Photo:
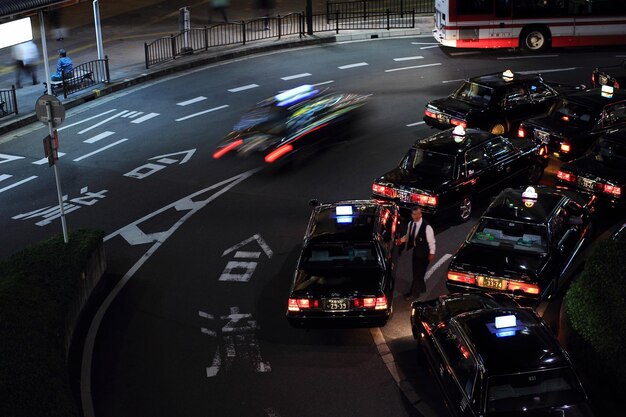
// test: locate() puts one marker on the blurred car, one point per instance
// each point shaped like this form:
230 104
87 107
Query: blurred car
493 358
282 126
495 102
446 171
575 122
346 270
614 75
525 244
620 234
601 171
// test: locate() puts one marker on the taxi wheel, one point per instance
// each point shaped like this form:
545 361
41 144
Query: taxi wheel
534 173
465 209
498 128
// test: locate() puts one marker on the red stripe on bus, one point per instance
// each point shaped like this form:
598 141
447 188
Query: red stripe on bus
559 41
521 25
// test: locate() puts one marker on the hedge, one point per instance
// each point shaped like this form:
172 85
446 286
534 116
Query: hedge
595 307
37 287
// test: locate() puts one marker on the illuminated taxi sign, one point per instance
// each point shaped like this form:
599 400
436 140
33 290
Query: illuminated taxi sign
294 95
505 321
529 197
607 91
505 326
507 75
458 134
343 210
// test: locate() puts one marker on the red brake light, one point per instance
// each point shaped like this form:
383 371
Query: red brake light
461 277
593 78
615 84
423 199
565 176
565 118
382 190
523 286
381 303
521 132
275 154
430 114
377 303
612 189
297 304
457 122
565 147
227 148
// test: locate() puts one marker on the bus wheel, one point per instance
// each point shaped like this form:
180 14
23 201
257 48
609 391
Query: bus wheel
535 39
499 128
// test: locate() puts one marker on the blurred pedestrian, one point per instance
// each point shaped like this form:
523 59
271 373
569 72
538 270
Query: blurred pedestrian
26 55
219 6
64 66
58 32
265 10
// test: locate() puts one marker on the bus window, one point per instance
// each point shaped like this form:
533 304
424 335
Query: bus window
503 8
474 7
538 8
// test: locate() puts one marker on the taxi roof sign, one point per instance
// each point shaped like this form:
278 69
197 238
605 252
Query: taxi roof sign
293 95
607 91
459 134
530 193
505 321
507 75
343 210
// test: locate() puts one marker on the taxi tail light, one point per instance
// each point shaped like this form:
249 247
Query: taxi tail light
227 148
298 304
565 176
521 132
429 113
461 277
615 84
457 122
544 151
565 147
382 190
593 78
278 153
523 286
612 189
376 303
424 200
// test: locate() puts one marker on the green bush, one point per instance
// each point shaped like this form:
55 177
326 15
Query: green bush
594 306
37 288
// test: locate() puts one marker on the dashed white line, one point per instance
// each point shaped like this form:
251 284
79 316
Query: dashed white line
415 124
293 77
99 137
8 158
192 101
453 81
547 70
145 117
131 114
201 113
43 161
134 114
8 187
428 47
87 119
526 57
5 177
123 112
358 64
413 67
242 88
424 43
408 58
99 150
325 82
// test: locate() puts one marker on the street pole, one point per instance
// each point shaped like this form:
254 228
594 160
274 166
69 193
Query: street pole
96 19
44 47
309 17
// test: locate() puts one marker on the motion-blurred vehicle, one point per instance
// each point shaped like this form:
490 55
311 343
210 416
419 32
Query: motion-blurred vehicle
282 126
525 244
346 270
614 75
446 171
575 122
493 358
495 102
601 171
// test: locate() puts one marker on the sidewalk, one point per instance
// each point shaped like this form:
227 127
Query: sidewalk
125 28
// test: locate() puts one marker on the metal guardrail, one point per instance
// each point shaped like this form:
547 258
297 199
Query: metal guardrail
375 20
86 75
366 7
8 102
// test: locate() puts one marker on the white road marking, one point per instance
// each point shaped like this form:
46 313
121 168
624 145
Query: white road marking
43 161
8 158
428 47
424 43
415 124
437 264
546 70
413 67
99 137
201 113
258 239
325 82
453 81
7 176
123 112
242 88
242 254
271 412
237 271
358 64
86 120
408 58
464 53
131 114
145 117
526 57
136 114
293 77
8 187
193 100
99 150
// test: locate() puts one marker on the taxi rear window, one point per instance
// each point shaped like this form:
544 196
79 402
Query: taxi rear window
350 254
522 237
610 149
420 161
572 113
474 93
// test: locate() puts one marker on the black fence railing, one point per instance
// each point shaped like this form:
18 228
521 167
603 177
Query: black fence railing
365 7
86 75
8 102
375 20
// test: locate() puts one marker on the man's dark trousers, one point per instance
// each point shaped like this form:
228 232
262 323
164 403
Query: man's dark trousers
419 260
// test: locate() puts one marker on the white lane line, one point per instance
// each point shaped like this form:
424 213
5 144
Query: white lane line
99 150
415 124
8 187
424 43
437 264
87 119
358 64
428 47
123 112
325 82
8 158
201 113
138 113
43 161
408 58
526 57
464 53
413 67
452 81
620 56
7 176
293 77
193 100
99 137
242 88
145 117
130 113
546 70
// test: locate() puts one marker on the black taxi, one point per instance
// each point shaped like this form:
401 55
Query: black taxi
575 122
613 75
525 244
495 102
445 172
345 272
493 358
601 171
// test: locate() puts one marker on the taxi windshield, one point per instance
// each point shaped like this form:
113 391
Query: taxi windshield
474 93
521 237
264 118
532 391
340 254
571 113
608 149
424 162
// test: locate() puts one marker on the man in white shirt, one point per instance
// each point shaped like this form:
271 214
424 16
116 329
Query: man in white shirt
421 238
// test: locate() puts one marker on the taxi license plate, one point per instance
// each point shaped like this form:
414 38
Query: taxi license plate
603 80
488 282
442 118
336 304
544 137
587 183
404 196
